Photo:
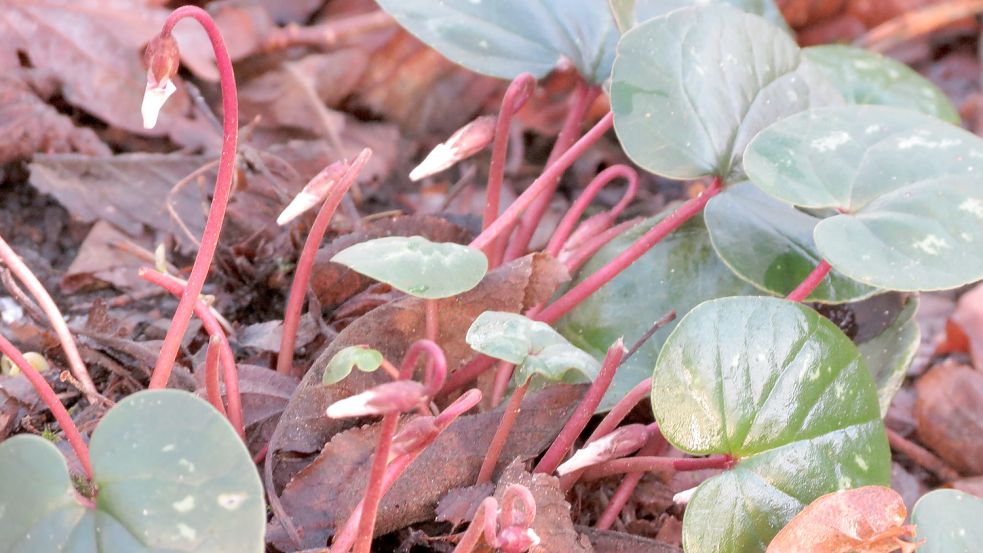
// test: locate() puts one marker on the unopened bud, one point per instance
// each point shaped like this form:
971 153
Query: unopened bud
392 397
314 192
163 59
517 539
466 142
683 497
415 435
623 441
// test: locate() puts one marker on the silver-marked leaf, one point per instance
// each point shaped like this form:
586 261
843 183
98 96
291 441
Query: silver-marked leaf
949 522
628 13
769 243
781 389
533 346
417 266
889 354
172 476
906 185
690 89
865 77
503 38
678 273
364 358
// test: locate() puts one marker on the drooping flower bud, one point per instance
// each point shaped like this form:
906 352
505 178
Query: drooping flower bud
623 441
464 143
412 437
313 192
163 59
392 397
516 534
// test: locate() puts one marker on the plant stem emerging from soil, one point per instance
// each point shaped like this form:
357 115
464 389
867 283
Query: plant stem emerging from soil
811 282
212 388
220 198
502 434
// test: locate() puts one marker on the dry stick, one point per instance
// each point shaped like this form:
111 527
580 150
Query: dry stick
51 400
214 330
595 281
916 23
501 434
584 96
519 91
305 264
55 318
657 464
923 457
220 198
212 391
329 34
627 487
811 282
576 423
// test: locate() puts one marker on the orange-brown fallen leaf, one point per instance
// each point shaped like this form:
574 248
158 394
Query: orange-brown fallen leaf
864 520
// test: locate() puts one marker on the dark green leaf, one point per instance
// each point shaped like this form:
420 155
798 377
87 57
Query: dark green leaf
503 38
628 13
949 522
780 388
692 88
865 77
172 476
889 354
341 365
905 183
533 346
769 243
417 266
677 273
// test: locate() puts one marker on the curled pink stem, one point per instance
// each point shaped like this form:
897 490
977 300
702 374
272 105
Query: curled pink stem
220 197
305 264
436 372
811 282
601 221
518 493
516 96
484 523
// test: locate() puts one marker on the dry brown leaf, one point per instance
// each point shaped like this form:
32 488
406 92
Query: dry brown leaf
968 316
800 13
608 541
949 413
972 485
459 505
266 336
100 262
863 520
322 495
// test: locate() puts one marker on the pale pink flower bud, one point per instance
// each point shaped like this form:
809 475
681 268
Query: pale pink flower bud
466 142
413 436
392 397
314 192
623 441
163 59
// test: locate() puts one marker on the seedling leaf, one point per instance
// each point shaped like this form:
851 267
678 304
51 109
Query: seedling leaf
949 522
507 37
172 476
783 390
341 365
904 182
534 347
865 77
677 273
690 89
628 13
417 266
769 243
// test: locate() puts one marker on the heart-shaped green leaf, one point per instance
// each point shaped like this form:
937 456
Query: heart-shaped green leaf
628 13
172 476
865 77
889 354
904 182
417 266
690 89
503 38
949 522
784 391
532 346
769 243
341 365
677 273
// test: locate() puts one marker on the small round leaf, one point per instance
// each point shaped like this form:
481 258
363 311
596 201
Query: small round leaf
503 38
784 391
690 89
417 266
865 77
171 473
949 522
628 13
533 346
341 365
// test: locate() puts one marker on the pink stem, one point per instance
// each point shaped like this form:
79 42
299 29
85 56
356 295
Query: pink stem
432 319
578 421
605 274
515 97
811 282
584 96
469 372
50 399
436 372
212 391
55 318
501 434
658 464
576 259
220 197
627 487
543 183
569 221
503 375
305 264
215 332
484 522
621 409
373 492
